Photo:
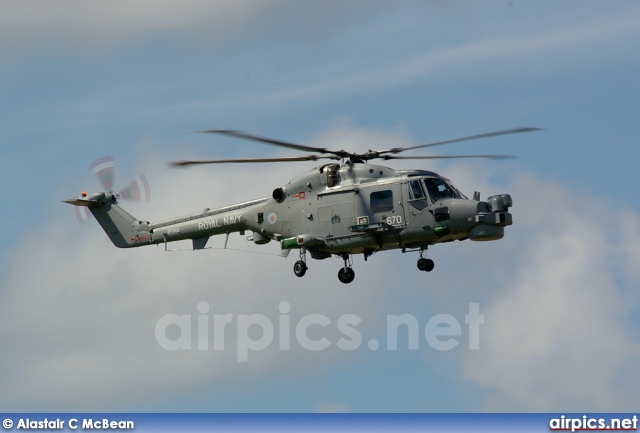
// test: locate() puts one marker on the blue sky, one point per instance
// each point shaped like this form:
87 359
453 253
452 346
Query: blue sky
559 292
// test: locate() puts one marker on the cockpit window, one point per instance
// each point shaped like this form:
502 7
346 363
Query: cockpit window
438 189
456 191
415 190
417 196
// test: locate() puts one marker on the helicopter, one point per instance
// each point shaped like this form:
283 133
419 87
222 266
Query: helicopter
344 207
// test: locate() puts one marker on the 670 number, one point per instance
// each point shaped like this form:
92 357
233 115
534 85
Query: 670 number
394 220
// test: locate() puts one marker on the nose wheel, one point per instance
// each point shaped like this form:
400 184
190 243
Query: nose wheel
300 267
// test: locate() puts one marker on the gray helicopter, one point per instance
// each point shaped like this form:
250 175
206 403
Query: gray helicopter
347 206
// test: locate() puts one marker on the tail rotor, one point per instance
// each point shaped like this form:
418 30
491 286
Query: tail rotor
104 170
82 213
137 190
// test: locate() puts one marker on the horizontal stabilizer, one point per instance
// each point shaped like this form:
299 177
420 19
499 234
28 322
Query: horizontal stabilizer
81 202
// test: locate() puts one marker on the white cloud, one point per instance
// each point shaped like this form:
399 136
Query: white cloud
627 231
558 335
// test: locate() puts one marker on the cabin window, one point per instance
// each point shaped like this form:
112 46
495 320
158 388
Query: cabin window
381 201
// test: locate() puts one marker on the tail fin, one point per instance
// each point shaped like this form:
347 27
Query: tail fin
123 229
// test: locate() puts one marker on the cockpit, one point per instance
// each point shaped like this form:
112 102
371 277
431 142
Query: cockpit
429 190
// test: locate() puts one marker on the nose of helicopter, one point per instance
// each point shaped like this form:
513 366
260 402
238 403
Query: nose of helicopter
481 220
491 219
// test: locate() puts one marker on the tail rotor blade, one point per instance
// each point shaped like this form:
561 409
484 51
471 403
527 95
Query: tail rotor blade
137 190
104 170
82 213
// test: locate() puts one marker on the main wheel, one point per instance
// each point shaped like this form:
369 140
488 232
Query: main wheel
430 265
425 264
346 276
300 268
422 264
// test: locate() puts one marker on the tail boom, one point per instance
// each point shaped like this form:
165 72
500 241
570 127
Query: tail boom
124 230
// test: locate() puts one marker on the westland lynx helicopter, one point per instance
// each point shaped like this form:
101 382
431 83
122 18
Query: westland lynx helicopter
347 206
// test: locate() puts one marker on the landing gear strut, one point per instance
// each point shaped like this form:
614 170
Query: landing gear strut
425 264
346 273
300 267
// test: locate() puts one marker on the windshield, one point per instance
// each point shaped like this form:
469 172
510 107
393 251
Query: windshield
439 189
456 191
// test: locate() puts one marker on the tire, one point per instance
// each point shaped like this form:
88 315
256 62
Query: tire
300 268
346 277
430 265
422 264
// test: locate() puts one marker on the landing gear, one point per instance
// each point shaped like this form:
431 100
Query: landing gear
425 264
346 276
300 267
346 273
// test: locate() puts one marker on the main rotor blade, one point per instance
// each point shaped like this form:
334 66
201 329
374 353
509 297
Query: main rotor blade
456 140
448 157
271 141
251 160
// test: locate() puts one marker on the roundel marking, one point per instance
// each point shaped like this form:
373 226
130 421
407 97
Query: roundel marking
272 218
